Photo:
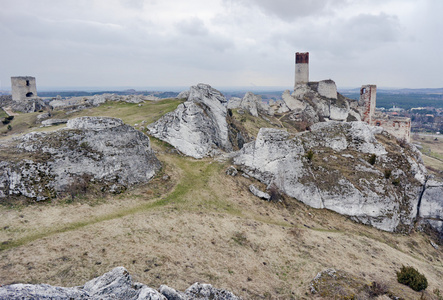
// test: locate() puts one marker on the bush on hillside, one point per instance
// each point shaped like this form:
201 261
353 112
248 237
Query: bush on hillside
372 159
411 277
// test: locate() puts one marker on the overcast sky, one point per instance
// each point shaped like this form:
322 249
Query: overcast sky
142 43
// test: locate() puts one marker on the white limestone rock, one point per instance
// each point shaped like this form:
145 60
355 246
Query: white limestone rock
292 102
183 95
116 284
40 291
327 88
52 122
198 127
43 116
431 208
342 184
234 103
251 103
319 97
203 291
256 192
101 149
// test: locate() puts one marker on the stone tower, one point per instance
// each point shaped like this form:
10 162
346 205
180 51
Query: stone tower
23 88
301 68
367 102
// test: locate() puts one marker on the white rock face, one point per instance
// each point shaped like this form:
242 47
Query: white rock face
251 103
320 98
315 167
103 150
198 127
116 284
234 103
327 88
431 208
292 102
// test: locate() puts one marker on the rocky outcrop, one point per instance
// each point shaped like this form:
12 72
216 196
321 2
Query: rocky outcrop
198 127
315 102
250 103
351 168
431 205
91 150
27 106
78 103
116 284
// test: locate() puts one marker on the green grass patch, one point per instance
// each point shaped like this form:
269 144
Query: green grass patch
3 114
132 113
195 177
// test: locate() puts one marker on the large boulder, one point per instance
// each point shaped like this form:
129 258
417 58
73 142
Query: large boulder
96 150
198 127
351 168
116 284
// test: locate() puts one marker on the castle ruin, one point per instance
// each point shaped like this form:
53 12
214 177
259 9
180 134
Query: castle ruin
23 88
399 127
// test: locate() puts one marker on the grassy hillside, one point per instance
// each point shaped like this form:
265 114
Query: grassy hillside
195 223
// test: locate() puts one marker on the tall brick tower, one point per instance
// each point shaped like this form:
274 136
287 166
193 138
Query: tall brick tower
301 68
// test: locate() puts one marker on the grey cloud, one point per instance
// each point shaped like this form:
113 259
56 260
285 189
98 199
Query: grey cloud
193 26
290 10
345 37
372 29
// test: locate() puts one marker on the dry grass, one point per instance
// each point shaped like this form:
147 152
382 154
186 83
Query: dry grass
208 228
253 124
432 153
130 113
198 224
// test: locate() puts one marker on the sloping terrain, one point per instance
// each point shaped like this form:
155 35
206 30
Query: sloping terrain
192 223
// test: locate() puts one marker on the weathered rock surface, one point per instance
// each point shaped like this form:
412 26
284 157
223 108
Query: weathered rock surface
52 122
198 127
75 103
250 103
317 101
256 192
431 208
116 284
338 284
28 106
96 150
328 167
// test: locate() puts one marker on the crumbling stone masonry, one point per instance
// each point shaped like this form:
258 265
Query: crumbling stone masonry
23 88
397 126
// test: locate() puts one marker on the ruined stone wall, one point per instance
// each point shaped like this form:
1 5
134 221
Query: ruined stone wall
367 102
398 127
301 68
23 88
